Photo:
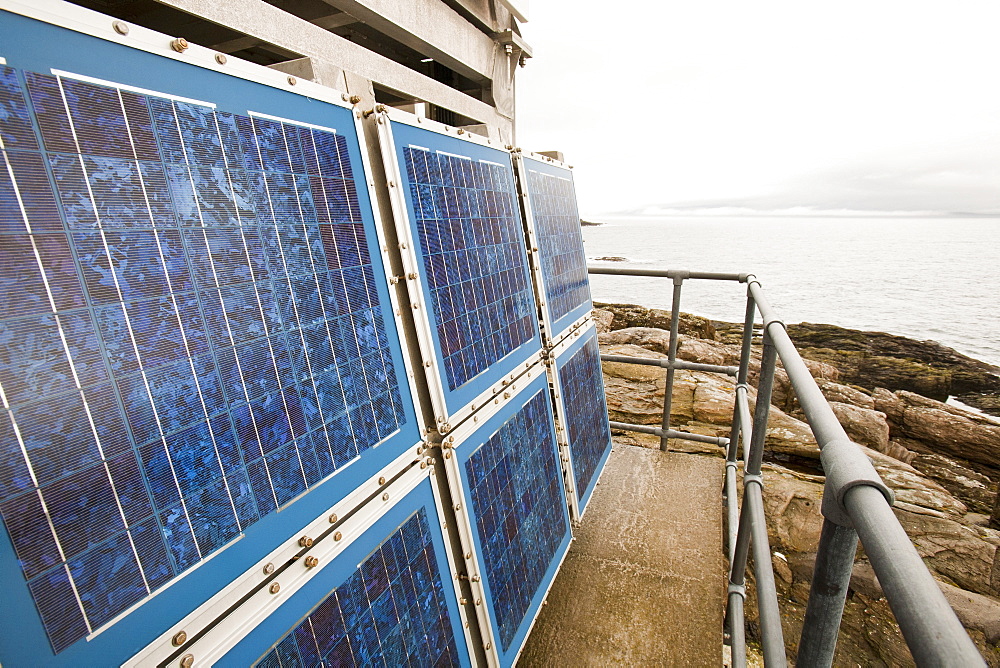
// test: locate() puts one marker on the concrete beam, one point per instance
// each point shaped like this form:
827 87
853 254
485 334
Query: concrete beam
326 22
429 27
266 22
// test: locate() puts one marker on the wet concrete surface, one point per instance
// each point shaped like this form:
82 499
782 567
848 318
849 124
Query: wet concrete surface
644 581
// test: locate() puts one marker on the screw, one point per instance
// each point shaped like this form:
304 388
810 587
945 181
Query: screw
463 601
447 455
354 99
344 97
488 646
311 561
468 555
268 569
506 395
305 541
274 588
338 536
179 638
381 480
475 418
221 58
187 661
479 601
333 518
180 45
458 506
423 465
461 131
385 497
120 27
292 81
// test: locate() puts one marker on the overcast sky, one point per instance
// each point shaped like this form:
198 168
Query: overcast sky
870 105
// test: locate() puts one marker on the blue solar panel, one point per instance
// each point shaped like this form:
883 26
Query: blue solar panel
390 611
518 509
465 222
552 197
195 328
586 413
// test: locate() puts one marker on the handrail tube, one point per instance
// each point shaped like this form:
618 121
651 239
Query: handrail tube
670 433
666 364
732 509
827 593
668 390
932 631
771 634
755 456
669 273
737 632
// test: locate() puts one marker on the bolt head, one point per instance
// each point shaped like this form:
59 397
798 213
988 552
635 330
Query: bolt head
385 497
354 99
311 561
274 588
268 569
180 45
187 661
338 536
179 638
120 27
381 480
305 541
221 58
333 518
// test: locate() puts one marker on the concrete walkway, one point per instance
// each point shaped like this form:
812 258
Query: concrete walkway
644 581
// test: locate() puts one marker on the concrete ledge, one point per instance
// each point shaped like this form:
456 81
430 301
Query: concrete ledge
644 581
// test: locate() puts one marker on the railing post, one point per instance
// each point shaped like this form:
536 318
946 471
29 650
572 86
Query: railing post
830 581
668 389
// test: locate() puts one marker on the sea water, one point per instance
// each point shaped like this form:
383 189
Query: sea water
925 278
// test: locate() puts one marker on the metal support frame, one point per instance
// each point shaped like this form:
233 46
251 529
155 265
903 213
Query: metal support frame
856 505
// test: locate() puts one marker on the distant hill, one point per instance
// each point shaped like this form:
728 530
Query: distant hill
587 223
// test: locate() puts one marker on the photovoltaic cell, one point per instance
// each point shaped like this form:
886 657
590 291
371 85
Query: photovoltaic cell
560 242
190 335
587 425
472 246
517 497
390 611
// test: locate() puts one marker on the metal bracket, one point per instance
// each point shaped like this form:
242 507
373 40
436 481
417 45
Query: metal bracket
846 467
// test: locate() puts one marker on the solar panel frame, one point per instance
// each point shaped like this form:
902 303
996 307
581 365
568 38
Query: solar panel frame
247 634
556 321
399 131
44 35
470 439
576 343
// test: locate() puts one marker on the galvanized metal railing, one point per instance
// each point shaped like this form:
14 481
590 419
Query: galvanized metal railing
856 504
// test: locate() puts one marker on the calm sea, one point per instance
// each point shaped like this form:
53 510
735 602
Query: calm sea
926 278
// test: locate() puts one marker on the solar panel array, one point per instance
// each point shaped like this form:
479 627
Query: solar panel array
191 334
552 197
586 413
390 611
472 250
516 496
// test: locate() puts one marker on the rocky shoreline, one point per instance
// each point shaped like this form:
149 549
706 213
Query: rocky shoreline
943 462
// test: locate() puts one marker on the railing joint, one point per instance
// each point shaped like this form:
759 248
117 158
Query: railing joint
738 589
846 467
753 478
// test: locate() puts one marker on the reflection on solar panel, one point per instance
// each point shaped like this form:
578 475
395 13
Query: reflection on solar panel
560 242
391 611
191 334
582 390
473 257
517 498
